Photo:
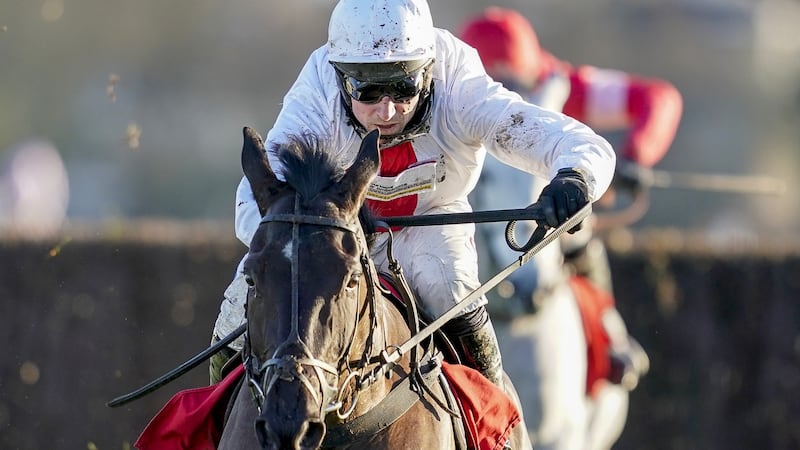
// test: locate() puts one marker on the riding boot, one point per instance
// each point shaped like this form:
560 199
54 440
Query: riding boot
218 361
231 316
476 344
628 364
591 261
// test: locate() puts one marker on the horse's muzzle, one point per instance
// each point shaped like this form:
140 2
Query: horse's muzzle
308 436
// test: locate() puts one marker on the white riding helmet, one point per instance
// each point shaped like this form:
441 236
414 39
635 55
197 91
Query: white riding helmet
384 45
380 31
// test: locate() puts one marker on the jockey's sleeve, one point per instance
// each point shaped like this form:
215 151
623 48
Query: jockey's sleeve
246 216
648 108
656 107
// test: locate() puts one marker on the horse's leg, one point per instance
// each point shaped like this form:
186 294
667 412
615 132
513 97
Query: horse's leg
545 356
516 346
561 373
519 436
239 432
608 412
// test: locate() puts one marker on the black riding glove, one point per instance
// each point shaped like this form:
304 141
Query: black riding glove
631 177
566 194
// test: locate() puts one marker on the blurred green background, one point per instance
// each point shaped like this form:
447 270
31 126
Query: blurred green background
145 100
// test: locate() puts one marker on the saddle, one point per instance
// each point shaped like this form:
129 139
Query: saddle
485 415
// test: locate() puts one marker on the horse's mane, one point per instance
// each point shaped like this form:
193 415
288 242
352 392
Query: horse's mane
309 168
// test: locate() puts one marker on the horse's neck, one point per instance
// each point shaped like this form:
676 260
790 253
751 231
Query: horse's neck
390 327
391 330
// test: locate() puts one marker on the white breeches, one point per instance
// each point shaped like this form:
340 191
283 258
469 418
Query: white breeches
545 356
440 264
608 413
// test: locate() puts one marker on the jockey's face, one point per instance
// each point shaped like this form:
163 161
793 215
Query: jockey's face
387 115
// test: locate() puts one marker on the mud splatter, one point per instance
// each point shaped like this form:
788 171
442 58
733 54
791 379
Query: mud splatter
111 87
516 133
132 135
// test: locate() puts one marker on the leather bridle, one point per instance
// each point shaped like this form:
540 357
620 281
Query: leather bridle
286 364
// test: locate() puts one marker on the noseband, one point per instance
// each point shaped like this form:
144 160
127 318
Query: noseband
287 366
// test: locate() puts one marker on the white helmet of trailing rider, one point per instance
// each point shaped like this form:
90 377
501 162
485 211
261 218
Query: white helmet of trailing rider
384 47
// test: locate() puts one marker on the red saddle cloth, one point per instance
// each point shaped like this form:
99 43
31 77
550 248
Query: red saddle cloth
488 413
592 303
187 421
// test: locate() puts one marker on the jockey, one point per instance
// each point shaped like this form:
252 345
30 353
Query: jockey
647 109
386 67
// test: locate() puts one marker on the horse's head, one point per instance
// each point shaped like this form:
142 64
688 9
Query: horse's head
309 274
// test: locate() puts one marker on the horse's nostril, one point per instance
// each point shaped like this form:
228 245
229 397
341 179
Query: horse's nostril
314 435
262 433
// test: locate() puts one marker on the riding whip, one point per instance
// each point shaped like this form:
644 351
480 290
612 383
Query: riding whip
533 212
743 184
178 371
530 250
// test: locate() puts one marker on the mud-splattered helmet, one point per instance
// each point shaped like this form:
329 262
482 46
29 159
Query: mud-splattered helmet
384 48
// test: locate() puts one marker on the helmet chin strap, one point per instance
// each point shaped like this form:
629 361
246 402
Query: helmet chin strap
419 125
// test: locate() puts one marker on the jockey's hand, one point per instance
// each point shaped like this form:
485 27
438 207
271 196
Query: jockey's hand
631 177
628 365
566 194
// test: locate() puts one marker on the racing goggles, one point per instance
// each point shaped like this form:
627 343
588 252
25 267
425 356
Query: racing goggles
399 90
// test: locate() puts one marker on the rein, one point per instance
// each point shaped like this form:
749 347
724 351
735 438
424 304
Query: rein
532 212
456 309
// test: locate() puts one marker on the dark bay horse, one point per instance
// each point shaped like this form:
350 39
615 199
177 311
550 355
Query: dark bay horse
319 327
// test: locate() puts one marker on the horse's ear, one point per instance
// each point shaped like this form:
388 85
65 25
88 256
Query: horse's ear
358 176
256 168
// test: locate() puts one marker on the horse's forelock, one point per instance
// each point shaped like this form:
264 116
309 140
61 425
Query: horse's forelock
308 165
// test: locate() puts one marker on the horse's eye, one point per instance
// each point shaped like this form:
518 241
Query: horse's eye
249 280
352 283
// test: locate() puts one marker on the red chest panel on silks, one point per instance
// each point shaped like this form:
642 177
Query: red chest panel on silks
396 189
